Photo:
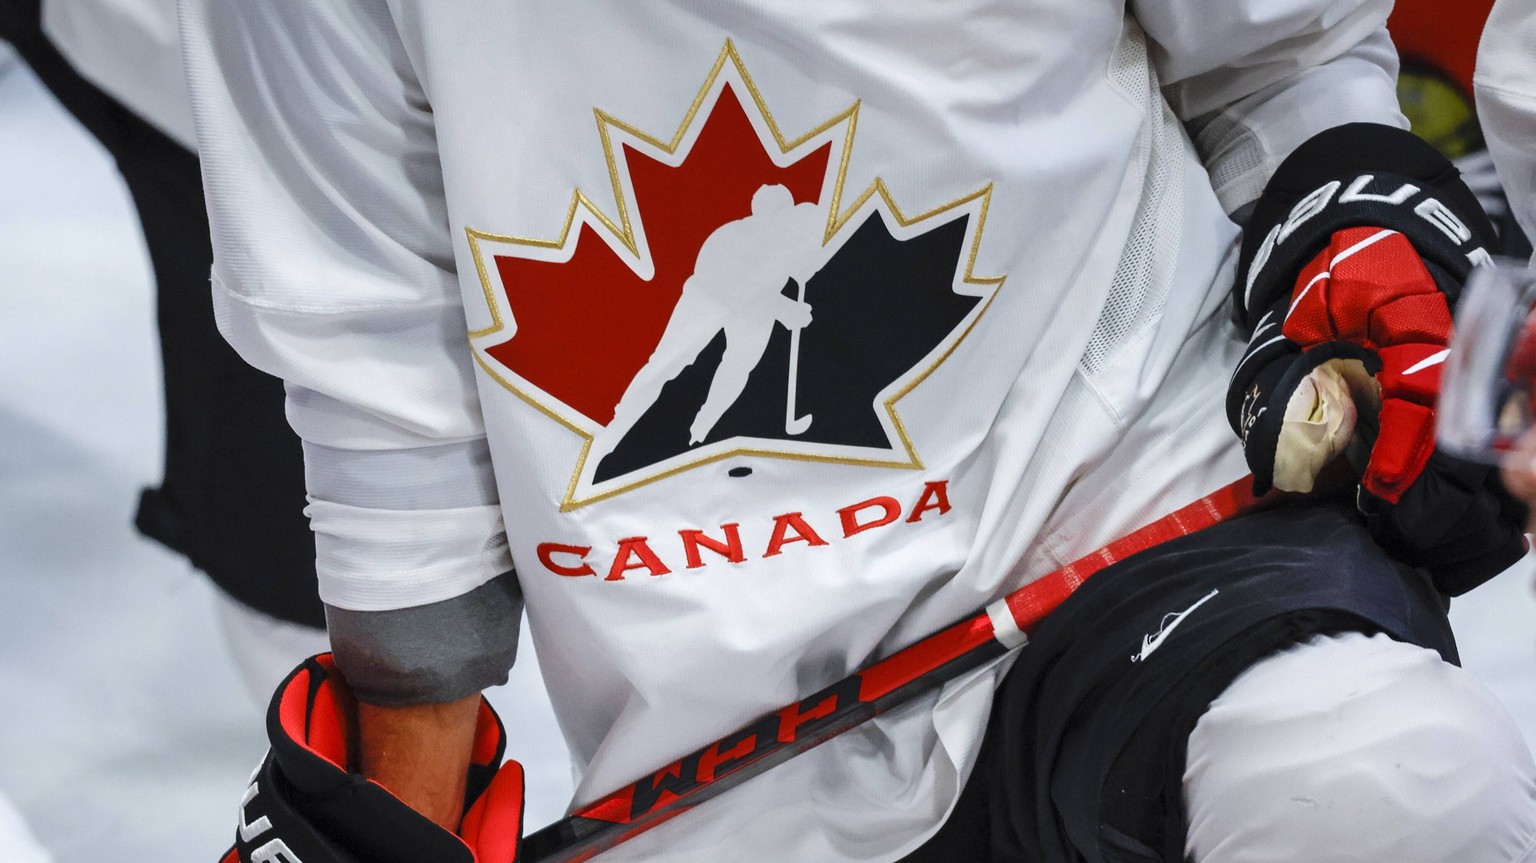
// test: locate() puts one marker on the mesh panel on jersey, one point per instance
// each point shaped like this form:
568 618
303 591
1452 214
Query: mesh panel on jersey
1239 168
1141 281
1129 68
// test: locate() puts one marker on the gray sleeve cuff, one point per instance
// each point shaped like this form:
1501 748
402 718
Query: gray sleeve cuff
430 654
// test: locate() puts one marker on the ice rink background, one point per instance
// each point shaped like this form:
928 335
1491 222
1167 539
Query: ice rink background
124 733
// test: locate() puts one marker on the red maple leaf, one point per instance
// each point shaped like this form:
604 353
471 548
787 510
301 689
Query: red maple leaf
585 327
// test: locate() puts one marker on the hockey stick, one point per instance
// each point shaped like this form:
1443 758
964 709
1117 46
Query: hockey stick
921 667
793 424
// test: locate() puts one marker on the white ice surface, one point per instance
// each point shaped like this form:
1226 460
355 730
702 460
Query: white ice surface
124 733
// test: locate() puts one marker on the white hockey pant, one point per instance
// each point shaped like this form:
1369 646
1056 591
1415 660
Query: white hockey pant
1358 748
264 648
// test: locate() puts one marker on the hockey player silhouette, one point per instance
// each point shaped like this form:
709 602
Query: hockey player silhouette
737 286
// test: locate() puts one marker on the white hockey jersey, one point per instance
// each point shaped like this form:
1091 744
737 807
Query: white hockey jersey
795 330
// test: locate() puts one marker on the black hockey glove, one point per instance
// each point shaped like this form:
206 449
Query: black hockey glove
303 805
1353 259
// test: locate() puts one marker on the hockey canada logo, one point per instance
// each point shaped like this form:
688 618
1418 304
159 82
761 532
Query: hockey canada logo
733 305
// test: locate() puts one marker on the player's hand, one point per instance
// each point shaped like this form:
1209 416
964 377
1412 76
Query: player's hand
794 314
304 804
1362 335
1354 258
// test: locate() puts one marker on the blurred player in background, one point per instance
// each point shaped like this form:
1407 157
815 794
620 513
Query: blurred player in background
232 497
1505 86
1438 47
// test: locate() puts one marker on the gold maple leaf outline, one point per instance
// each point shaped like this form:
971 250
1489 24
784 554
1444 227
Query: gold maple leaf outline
624 232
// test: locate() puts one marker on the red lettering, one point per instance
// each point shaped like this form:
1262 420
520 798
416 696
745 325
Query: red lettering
818 710
935 496
636 547
665 785
546 551
730 549
636 553
723 757
796 715
890 511
781 536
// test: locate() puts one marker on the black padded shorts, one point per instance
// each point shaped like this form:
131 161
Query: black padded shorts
1084 755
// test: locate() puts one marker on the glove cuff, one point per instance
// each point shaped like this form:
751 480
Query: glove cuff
304 796
1457 523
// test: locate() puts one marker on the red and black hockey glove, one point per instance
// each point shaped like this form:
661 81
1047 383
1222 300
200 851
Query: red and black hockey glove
1353 260
303 804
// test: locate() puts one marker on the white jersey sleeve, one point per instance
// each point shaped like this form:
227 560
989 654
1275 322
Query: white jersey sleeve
1255 79
333 269
1505 84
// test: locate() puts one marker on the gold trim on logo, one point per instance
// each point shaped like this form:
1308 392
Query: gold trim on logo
623 231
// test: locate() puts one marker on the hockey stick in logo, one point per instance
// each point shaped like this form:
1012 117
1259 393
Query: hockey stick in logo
900 677
795 424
